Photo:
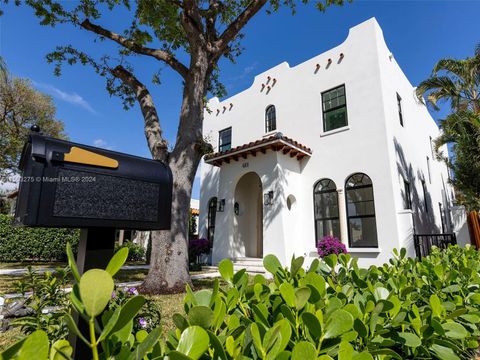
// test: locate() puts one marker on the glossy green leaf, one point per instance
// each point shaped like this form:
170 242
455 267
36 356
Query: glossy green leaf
129 310
296 265
410 339
288 294
36 346
193 342
147 344
117 261
271 264
339 322
201 316
225 267
436 305
455 330
304 350
312 324
96 287
60 349
443 352
73 328
301 297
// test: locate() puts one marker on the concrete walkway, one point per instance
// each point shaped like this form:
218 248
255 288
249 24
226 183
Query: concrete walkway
41 270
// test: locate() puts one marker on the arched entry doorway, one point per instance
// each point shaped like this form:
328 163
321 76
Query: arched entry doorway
248 208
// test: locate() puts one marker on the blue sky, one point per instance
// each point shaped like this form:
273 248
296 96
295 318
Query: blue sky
417 32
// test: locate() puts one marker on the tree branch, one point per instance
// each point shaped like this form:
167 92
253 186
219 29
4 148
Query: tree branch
236 25
158 54
153 132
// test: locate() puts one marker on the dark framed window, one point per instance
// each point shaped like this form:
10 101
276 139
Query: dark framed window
225 139
212 213
270 119
362 227
334 105
425 195
325 202
400 112
407 200
429 170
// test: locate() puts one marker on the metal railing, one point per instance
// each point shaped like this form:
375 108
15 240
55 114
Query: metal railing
424 242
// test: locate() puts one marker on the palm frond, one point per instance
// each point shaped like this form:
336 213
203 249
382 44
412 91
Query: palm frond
438 88
453 66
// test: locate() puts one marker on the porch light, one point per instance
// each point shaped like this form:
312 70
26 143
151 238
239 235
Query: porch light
268 198
221 205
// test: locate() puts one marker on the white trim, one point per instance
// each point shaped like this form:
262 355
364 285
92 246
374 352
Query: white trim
364 250
405 211
334 131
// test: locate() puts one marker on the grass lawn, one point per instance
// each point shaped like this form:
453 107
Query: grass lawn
169 305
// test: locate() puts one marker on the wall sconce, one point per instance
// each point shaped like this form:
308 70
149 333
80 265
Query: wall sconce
221 205
236 208
268 198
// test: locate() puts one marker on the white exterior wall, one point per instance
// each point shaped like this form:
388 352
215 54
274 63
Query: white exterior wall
366 145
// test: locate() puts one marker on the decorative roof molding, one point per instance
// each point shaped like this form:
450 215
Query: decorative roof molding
276 142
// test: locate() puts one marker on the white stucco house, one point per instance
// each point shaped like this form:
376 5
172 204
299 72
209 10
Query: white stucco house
337 145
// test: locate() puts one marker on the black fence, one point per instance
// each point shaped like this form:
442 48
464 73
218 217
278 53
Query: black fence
424 243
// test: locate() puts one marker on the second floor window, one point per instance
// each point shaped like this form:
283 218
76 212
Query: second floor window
400 113
407 201
334 105
225 140
270 119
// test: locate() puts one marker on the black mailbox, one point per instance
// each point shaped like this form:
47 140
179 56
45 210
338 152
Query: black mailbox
64 184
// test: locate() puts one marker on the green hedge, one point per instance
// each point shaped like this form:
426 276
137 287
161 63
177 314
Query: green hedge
38 244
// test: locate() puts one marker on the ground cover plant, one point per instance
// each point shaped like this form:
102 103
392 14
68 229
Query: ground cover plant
334 310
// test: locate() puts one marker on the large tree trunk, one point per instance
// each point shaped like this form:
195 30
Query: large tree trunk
169 260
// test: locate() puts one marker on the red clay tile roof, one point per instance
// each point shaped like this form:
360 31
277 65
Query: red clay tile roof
275 142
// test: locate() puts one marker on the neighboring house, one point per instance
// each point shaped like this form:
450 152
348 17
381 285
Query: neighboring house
338 145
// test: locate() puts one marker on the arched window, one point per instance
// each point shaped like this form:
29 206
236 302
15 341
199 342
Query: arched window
212 212
362 227
270 119
325 201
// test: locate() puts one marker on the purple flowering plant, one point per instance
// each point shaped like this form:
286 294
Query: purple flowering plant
330 245
197 247
149 316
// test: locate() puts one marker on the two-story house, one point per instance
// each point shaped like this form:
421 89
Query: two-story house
338 145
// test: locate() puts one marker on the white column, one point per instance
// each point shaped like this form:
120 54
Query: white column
342 214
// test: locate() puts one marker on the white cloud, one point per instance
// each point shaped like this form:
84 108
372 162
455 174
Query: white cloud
245 72
99 142
72 98
102 144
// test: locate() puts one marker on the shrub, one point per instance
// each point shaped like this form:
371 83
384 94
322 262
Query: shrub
45 296
408 309
136 252
197 247
330 245
38 244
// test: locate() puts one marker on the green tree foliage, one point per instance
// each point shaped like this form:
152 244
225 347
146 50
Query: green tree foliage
21 106
461 129
458 82
454 81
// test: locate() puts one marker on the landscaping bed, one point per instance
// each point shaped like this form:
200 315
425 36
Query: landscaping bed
407 309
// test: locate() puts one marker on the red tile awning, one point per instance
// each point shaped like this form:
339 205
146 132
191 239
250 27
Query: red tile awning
277 142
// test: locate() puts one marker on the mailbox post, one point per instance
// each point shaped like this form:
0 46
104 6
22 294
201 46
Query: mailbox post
65 184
